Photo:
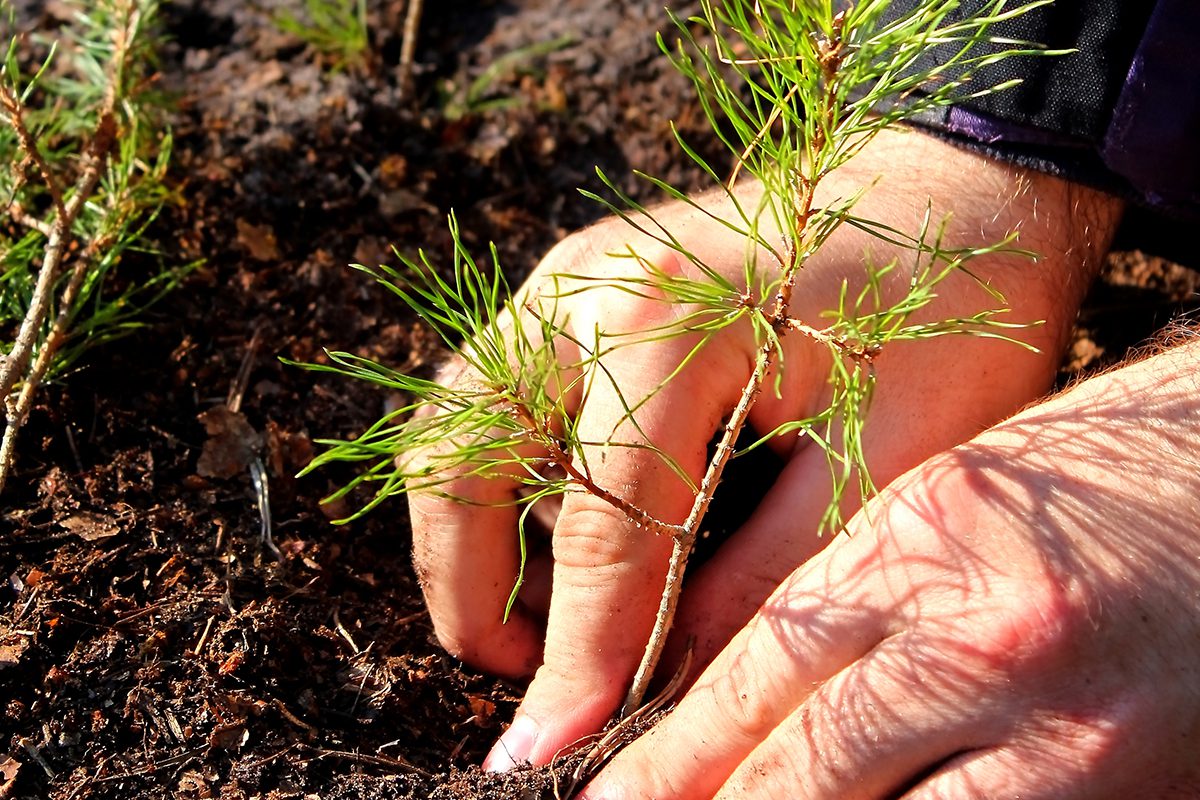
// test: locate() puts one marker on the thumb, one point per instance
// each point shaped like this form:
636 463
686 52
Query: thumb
609 569
608 576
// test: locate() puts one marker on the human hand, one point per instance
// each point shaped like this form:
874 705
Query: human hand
606 573
1014 618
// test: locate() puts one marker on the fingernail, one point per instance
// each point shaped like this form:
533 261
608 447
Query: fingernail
514 747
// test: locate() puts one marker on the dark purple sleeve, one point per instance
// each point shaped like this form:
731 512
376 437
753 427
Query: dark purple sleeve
1153 141
1144 146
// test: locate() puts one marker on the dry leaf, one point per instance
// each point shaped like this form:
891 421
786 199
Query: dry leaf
287 452
232 444
482 708
258 240
229 737
90 526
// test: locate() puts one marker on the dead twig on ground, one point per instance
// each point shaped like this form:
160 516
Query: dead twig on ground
408 45
397 764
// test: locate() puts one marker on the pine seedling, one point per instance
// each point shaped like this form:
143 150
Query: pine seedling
335 29
481 96
794 90
85 156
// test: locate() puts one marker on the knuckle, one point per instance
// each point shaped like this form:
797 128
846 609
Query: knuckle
593 535
743 698
1032 626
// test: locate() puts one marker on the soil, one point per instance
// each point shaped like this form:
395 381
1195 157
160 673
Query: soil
152 642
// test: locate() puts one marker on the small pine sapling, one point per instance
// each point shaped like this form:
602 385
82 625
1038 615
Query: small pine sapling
335 29
795 91
85 152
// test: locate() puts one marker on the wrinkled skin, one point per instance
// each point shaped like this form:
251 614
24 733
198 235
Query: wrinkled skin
1015 618
591 598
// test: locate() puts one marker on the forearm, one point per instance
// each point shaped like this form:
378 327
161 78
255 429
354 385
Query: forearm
1117 453
1151 408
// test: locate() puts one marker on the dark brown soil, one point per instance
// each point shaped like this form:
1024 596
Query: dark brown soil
152 643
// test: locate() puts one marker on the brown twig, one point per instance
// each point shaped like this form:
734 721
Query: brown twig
396 764
175 760
286 713
685 536
15 112
18 357
203 636
51 269
408 44
21 217
86 782
797 249
35 752
18 412
559 456
851 348
237 389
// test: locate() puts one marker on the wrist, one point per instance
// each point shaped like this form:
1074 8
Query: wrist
1067 226
1142 419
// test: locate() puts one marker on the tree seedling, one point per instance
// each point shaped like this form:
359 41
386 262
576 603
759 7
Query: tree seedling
335 29
84 156
794 90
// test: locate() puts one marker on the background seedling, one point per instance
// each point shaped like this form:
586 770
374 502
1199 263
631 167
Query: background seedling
84 154
479 96
335 29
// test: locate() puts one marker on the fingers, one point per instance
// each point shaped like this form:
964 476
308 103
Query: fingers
467 558
870 730
1009 772
831 614
608 569
872 664
808 631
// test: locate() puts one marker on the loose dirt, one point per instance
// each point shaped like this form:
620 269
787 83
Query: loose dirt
153 642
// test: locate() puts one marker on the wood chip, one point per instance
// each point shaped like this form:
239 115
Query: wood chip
9 767
91 526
